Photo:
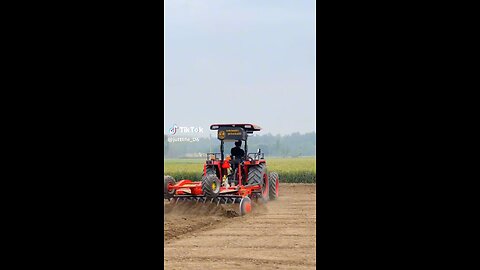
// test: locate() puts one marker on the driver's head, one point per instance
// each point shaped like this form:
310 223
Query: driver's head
238 143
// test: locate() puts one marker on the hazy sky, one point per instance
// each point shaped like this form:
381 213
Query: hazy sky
241 61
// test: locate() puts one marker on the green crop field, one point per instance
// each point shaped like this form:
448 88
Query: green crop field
290 170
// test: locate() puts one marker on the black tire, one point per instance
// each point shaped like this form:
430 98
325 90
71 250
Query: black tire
210 185
211 170
273 184
245 206
257 175
167 179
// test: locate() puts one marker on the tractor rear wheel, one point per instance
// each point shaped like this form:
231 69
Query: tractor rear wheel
257 175
273 183
211 170
168 180
210 185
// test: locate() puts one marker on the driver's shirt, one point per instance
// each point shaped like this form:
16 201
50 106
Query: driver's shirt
238 152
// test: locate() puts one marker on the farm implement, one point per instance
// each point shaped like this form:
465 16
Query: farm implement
235 180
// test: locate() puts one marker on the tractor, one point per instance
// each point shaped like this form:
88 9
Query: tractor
229 179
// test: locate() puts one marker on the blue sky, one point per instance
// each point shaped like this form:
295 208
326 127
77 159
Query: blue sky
240 61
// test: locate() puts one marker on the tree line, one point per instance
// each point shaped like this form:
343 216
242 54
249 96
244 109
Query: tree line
293 145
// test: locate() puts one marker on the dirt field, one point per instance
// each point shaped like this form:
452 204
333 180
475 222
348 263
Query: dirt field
278 235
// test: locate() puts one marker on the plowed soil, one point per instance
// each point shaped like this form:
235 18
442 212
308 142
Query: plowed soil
278 235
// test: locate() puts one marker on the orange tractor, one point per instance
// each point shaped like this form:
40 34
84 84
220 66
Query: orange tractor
231 179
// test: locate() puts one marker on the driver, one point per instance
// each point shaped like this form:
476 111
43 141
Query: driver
236 151
237 155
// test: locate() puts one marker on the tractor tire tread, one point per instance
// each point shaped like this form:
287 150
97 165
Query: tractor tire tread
207 181
272 179
167 179
256 177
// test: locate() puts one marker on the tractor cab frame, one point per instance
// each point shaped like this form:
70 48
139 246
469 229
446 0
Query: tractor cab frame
221 164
